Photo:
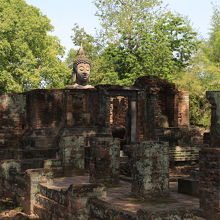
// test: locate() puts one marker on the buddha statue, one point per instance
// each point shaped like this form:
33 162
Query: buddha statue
81 68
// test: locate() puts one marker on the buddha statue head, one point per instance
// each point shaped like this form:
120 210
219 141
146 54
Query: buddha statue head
81 68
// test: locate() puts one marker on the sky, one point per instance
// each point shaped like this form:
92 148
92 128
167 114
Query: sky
65 13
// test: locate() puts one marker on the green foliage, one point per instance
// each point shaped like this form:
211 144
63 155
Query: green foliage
28 55
213 45
203 74
141 38
137 38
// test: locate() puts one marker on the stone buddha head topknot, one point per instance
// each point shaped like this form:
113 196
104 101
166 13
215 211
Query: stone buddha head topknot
81 67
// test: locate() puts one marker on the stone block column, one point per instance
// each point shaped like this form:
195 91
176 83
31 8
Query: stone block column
150 170
73 153
104 161
210 182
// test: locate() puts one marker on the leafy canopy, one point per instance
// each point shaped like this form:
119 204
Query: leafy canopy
28 55
137 37
204 73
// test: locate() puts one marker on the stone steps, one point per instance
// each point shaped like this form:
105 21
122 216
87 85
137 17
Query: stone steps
52 199
66 198
51 203
14 153
46 153
8 142
57 195
51 206
40 142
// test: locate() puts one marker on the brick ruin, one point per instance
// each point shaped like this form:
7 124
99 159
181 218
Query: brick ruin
61 152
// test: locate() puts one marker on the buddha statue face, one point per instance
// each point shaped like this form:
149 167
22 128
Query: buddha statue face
82 73
81 67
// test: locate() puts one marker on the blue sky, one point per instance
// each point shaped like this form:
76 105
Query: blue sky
64 13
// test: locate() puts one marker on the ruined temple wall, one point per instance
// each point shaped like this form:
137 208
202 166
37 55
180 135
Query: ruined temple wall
47 111
34 115
163 102
58 108
12 118
45 108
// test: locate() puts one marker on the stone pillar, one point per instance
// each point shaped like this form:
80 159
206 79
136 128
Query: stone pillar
73 153
150 170
153 112
133 120
104 161
210 182
214 99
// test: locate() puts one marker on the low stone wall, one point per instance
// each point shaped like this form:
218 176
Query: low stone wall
69 204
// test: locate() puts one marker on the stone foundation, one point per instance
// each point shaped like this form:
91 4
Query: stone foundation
68 203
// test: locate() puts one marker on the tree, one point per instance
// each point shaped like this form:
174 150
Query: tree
29 57
203 74
213 44
142 38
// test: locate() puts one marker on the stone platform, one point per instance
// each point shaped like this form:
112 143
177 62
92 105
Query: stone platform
123 198
118 203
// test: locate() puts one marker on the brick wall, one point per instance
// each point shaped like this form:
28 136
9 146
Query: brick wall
210 182
159 103
56 108
12 119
